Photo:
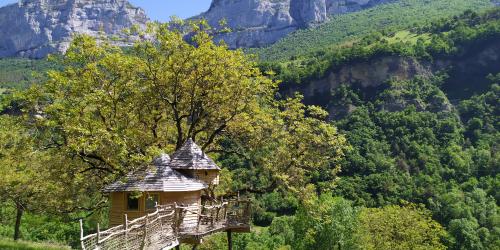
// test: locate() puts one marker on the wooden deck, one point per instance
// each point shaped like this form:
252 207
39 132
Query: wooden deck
229 216
163 229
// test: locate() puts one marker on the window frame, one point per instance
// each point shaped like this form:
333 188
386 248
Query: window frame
146 196
127 208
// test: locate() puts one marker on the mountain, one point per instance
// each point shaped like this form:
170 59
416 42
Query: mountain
255 23
345 29
35 28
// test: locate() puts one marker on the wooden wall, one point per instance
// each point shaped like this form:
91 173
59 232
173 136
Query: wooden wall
207 176
118 208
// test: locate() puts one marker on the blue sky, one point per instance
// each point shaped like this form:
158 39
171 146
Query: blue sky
161 10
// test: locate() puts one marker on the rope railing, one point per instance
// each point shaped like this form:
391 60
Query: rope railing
163 228
152 231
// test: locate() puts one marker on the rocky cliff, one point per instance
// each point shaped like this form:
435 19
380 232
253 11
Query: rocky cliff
35 28
255 23
467 75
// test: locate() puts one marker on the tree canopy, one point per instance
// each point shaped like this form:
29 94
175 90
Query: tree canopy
109 110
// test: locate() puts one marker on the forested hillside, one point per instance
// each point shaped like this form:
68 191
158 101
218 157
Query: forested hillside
434 47
400 150
346 29
410 141
19 73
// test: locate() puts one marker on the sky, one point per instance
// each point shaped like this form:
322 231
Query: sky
161 10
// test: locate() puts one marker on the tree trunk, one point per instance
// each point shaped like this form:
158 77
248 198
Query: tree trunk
19 215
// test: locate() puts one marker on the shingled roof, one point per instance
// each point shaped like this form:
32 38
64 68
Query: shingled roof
190 156
157 177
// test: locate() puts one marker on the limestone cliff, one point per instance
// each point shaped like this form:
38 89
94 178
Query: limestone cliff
255 23
35 28
467 71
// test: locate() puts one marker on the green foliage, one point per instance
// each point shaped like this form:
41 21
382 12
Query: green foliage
343 29
107 111
395 227
473 217
325 223
329 223
321 222
19 73
267 206
40 228
426 42
6 244
480 115
410 144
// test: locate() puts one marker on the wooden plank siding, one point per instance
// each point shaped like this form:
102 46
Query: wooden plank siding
207 176
118 208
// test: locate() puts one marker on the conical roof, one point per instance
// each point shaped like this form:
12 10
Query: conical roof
190 156
157 177
161 160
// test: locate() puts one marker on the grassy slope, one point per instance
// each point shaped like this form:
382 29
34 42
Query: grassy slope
6 244
401 15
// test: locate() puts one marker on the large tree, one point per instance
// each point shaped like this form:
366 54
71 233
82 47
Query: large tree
109 110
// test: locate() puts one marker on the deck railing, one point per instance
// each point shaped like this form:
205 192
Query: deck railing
163 229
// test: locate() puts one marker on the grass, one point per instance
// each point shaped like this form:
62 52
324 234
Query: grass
7 244
407 37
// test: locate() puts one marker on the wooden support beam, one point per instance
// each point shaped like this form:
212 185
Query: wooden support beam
229 240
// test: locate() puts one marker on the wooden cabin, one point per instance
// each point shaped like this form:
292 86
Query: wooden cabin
181 180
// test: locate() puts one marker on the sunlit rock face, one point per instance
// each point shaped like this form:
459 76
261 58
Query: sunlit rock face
35 28
256 23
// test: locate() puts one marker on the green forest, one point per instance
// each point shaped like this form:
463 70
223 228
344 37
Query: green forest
343 30
409 164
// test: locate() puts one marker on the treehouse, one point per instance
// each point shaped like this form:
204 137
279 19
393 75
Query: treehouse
157 184
166 202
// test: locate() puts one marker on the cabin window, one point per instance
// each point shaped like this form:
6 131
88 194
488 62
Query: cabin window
206 173
151 201
132 202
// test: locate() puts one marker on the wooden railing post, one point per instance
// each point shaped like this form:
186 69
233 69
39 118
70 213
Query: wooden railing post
98 236
225 210
143 245
158 216
126 231
176 219
81 234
